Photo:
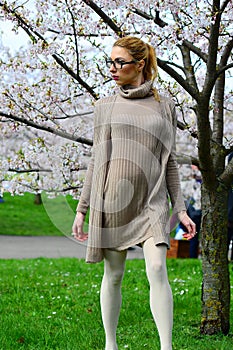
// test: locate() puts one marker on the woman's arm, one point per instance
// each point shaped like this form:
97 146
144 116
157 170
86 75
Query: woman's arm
84 200
174 188
172 172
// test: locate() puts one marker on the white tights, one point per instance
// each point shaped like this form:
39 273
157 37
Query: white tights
161 302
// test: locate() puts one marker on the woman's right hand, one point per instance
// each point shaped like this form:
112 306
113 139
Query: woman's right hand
77 228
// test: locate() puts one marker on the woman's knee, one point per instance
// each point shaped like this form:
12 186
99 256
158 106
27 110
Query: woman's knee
116 277
155 270
155 257
114 266
113 275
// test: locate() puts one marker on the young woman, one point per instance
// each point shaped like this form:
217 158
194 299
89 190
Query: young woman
132 173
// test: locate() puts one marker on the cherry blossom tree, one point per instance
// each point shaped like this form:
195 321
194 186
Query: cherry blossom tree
48 88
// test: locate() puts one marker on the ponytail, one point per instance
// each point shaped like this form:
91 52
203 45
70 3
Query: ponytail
150 70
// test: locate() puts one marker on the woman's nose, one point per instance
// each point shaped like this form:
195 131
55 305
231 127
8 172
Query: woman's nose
112 68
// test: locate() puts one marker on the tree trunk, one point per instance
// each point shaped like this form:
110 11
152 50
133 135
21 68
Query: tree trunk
216 283
38 199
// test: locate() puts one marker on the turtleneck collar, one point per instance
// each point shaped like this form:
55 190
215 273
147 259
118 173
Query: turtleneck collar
137 92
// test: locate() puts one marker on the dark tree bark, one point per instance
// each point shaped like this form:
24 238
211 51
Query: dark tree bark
215 285
38 199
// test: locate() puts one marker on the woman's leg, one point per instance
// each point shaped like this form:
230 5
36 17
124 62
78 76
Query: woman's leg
110 295
161 301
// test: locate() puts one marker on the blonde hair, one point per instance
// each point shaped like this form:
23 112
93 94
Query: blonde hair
140 50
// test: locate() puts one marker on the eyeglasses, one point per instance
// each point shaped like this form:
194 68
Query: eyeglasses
117 63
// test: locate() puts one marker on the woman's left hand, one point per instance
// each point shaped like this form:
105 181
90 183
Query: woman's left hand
189 224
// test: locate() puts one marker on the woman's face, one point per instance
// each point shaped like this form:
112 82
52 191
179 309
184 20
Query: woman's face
129 74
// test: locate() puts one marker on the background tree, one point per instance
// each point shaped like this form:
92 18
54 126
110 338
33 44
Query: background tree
62 71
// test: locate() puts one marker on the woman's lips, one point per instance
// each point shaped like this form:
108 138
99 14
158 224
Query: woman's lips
114 77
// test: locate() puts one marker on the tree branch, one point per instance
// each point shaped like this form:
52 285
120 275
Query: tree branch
218 112
184 159
211 64
62 134
183 126
188 67
42 189
74 75
224 69
195 50
224 5
75 37
224 58
35 170
35 36
167 68
157 20
227 176
38 170
104 17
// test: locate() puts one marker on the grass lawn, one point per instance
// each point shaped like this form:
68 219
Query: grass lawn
20 216
53 304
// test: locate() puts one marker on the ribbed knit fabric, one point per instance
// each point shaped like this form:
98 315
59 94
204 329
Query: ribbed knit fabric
132 172
137 92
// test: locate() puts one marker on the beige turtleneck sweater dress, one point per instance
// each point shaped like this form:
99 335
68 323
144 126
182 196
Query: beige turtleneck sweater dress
132 172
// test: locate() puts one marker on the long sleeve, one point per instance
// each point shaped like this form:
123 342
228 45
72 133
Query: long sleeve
172 173
102 113
173 185
84 201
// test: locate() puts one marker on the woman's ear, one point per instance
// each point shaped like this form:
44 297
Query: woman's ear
141 65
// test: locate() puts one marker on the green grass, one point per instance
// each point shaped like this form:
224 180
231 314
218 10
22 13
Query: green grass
20 216
53 304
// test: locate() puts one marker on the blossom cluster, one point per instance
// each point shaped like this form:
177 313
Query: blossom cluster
50 85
